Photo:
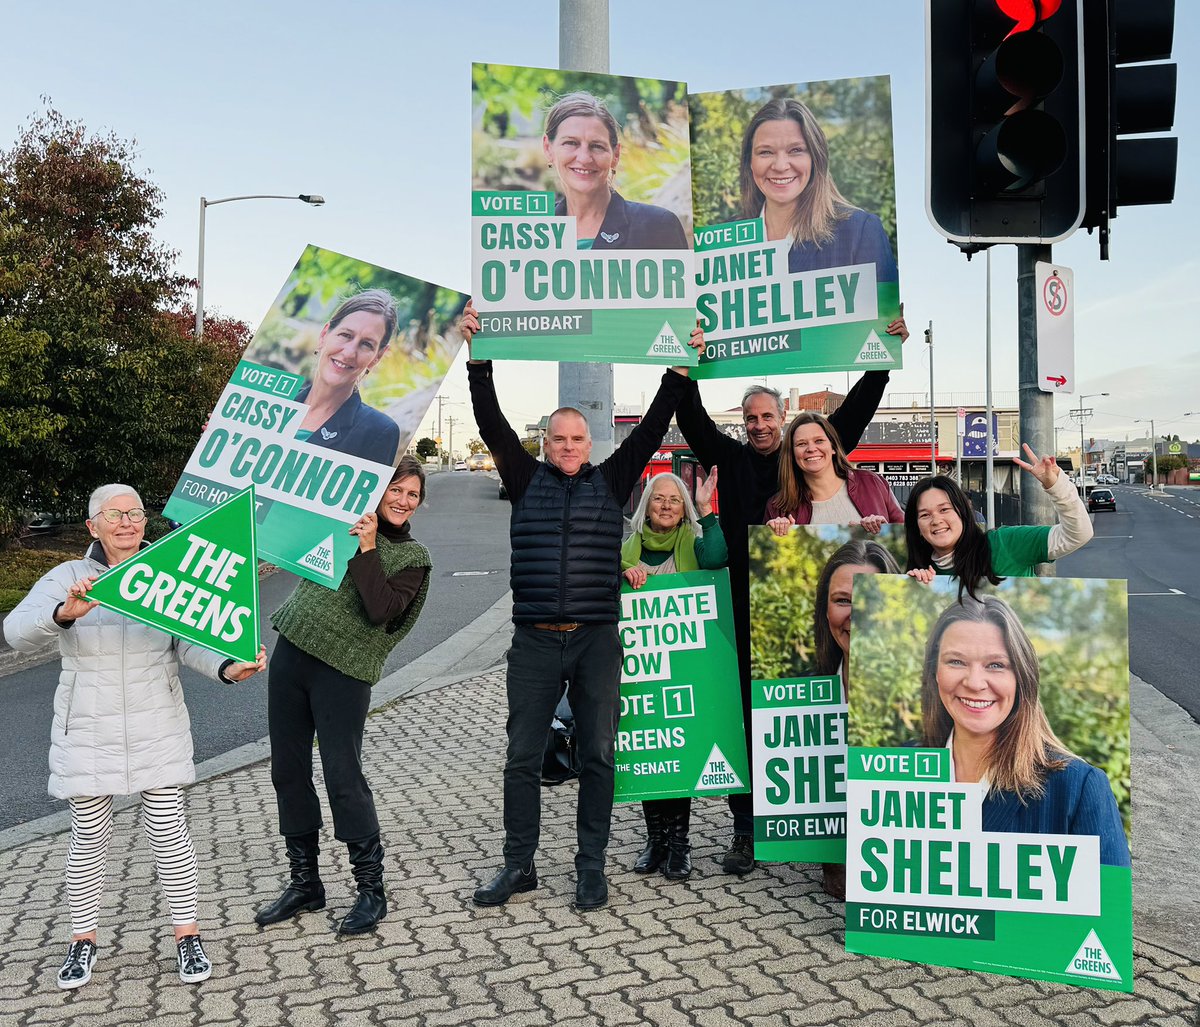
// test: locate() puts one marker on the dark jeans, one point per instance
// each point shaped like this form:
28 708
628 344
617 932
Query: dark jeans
668 808
538 663
305 697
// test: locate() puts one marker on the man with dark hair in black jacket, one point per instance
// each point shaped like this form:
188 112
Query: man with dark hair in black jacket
749 477
566 530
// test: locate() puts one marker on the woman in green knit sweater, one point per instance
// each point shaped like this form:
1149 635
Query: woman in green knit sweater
331 650
671 535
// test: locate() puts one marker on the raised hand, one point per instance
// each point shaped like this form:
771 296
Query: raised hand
1045 468
468 324
704 493
898 327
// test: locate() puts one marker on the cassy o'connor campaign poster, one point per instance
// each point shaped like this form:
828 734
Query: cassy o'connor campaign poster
681 730
325 400
988 819
581 217
801 589
794 200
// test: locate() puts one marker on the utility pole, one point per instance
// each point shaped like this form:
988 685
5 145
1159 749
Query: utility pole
450 450
1037 407
932 417
439 430
583 46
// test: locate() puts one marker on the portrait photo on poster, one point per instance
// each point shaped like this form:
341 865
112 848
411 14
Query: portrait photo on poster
794 201
581 215
988 793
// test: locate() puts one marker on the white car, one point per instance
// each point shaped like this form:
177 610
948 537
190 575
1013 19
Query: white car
461 465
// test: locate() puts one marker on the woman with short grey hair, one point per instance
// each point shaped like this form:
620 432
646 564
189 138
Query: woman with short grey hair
120 726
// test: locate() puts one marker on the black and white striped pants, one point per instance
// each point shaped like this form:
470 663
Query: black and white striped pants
87 859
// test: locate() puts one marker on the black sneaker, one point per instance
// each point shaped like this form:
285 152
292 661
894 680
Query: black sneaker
194 965
740 857
77 967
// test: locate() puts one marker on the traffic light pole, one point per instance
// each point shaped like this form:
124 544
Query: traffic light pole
1037 407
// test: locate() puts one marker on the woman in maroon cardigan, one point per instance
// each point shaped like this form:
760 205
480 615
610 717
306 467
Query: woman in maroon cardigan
818 485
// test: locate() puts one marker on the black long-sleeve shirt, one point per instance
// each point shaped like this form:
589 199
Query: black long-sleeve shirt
621 471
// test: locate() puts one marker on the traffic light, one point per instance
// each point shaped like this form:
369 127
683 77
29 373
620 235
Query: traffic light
1128 97
1004 106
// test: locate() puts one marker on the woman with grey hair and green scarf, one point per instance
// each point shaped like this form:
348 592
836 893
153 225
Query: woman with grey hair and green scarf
671 535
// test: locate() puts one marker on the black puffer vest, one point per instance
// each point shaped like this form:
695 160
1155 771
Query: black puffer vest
566 549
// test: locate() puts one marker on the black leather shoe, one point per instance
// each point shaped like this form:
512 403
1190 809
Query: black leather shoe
505 885
366 860
679 850
591 891
305 891
740 857
656 840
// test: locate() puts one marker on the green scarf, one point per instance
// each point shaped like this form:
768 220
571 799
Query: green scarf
681 540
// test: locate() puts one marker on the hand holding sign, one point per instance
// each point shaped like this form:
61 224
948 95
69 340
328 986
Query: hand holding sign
366 528
77 603
236 672
872 523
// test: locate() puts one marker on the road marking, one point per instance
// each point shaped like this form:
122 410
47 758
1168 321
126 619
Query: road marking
1172 592
1094 537
470 574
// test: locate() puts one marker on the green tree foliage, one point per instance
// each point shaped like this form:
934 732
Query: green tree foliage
426 448
1078 628
855 115
476 446
100 379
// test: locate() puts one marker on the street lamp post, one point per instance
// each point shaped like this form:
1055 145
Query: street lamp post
932 416
1082 460
1153 449
311 199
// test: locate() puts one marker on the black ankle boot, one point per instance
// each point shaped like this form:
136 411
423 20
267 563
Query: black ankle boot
656 839
679 849
366 859
305 891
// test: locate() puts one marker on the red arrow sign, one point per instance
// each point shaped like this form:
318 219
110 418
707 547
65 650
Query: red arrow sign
1059 380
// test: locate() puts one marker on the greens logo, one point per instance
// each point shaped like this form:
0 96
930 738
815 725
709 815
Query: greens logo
1092 961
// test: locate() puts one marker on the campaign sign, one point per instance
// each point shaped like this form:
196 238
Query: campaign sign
798 734
801 589
581 217
199 583
794 199
324 402
988 791
681 731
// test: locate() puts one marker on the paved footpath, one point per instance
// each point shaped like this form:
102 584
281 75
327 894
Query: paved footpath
766 949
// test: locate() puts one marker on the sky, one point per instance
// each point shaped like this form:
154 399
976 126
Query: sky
368 104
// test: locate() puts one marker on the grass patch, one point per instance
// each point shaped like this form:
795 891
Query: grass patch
20 569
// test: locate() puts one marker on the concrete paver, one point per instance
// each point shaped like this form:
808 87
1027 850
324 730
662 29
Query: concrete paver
761 950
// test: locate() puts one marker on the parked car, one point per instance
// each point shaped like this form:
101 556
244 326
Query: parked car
1102 499
503 491
460 465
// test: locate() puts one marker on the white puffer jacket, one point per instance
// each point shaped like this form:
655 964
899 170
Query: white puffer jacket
120 724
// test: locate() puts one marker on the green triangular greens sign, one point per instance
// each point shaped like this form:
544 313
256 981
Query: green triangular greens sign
199 583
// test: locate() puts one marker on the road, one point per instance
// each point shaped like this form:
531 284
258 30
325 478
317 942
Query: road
463 523
1153 540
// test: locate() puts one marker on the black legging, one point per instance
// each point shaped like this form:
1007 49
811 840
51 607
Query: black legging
306 696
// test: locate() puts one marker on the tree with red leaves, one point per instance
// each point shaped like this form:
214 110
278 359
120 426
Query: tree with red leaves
101 378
